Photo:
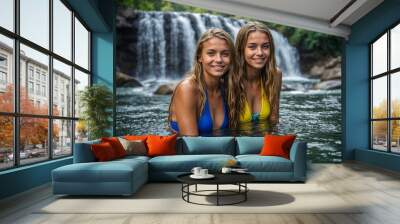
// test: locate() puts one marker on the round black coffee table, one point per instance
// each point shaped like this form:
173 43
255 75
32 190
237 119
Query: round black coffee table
238 179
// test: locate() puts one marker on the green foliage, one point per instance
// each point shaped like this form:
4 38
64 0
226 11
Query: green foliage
96 102
310 42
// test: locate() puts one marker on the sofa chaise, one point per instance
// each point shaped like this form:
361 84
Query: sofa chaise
125 176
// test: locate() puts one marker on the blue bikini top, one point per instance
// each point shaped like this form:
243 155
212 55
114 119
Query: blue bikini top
205 122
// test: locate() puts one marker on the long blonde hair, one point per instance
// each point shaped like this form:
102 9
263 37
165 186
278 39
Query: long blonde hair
196 74
236 89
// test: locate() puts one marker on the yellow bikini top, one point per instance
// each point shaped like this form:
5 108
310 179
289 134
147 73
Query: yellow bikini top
265 110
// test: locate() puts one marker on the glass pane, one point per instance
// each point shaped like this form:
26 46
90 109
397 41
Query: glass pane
7 14
395 47
62 89
395 94
379 135
35 21
81 131
379 55
81 81
81 45
34 96
62 138
6 142
379 98
6 74
395 136
33 139
62 29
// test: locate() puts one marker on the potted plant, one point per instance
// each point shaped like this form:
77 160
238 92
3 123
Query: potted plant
96 103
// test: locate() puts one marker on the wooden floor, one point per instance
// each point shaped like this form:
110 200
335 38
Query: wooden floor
377 189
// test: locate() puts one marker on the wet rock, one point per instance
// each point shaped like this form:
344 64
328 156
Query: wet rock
332 74
328 85
317 71
333 62
286 87
165 89
124 80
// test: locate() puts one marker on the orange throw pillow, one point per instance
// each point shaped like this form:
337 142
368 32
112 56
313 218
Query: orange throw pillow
277 145
116 145
161 145
103 152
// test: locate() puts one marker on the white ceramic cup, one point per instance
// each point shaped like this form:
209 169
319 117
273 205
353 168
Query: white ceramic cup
203 172
196 171
226 170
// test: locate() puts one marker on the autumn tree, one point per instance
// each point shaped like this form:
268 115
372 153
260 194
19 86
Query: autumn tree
33 130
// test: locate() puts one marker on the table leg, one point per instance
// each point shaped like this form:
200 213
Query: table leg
196 188
217 194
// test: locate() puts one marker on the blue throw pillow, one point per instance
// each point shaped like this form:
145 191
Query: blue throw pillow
208 145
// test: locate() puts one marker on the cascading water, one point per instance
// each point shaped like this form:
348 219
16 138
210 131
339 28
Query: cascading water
166 42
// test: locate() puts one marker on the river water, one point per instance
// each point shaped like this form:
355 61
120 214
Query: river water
313 115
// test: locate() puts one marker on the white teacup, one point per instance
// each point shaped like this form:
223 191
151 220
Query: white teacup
196 171
226 170
203 172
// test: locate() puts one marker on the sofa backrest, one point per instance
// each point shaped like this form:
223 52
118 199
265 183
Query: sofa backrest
206 145
83 152
249 145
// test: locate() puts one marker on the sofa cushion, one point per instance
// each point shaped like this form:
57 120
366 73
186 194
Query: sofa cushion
249 145
257 163
83 152
112 171
208 145
185 163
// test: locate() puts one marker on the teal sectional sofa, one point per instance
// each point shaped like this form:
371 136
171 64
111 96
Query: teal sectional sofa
125 176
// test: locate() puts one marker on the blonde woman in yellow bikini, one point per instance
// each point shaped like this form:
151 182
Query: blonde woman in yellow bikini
254 90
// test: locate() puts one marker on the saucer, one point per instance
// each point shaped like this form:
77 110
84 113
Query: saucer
208 176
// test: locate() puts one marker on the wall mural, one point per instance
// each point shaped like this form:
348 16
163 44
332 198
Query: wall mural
155 50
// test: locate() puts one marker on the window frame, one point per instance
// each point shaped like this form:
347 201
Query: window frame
388 74
16 114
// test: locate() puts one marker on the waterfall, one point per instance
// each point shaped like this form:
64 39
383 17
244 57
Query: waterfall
166 41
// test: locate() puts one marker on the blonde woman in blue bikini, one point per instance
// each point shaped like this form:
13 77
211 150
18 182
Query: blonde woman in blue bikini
198 103
254 90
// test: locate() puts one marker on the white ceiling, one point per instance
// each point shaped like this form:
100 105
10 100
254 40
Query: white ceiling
315 15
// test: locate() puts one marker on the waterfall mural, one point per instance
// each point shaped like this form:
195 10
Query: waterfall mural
165 43
156 49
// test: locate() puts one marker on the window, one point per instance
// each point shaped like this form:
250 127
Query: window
30 72
3 70
385 94
43 90
38 89
3 78
54 125
30 88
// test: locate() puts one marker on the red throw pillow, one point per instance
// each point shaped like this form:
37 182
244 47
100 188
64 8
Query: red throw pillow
277 145
103 152
161 145
116 145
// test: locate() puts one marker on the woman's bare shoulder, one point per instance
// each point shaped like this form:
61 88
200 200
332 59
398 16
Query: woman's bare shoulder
187 87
